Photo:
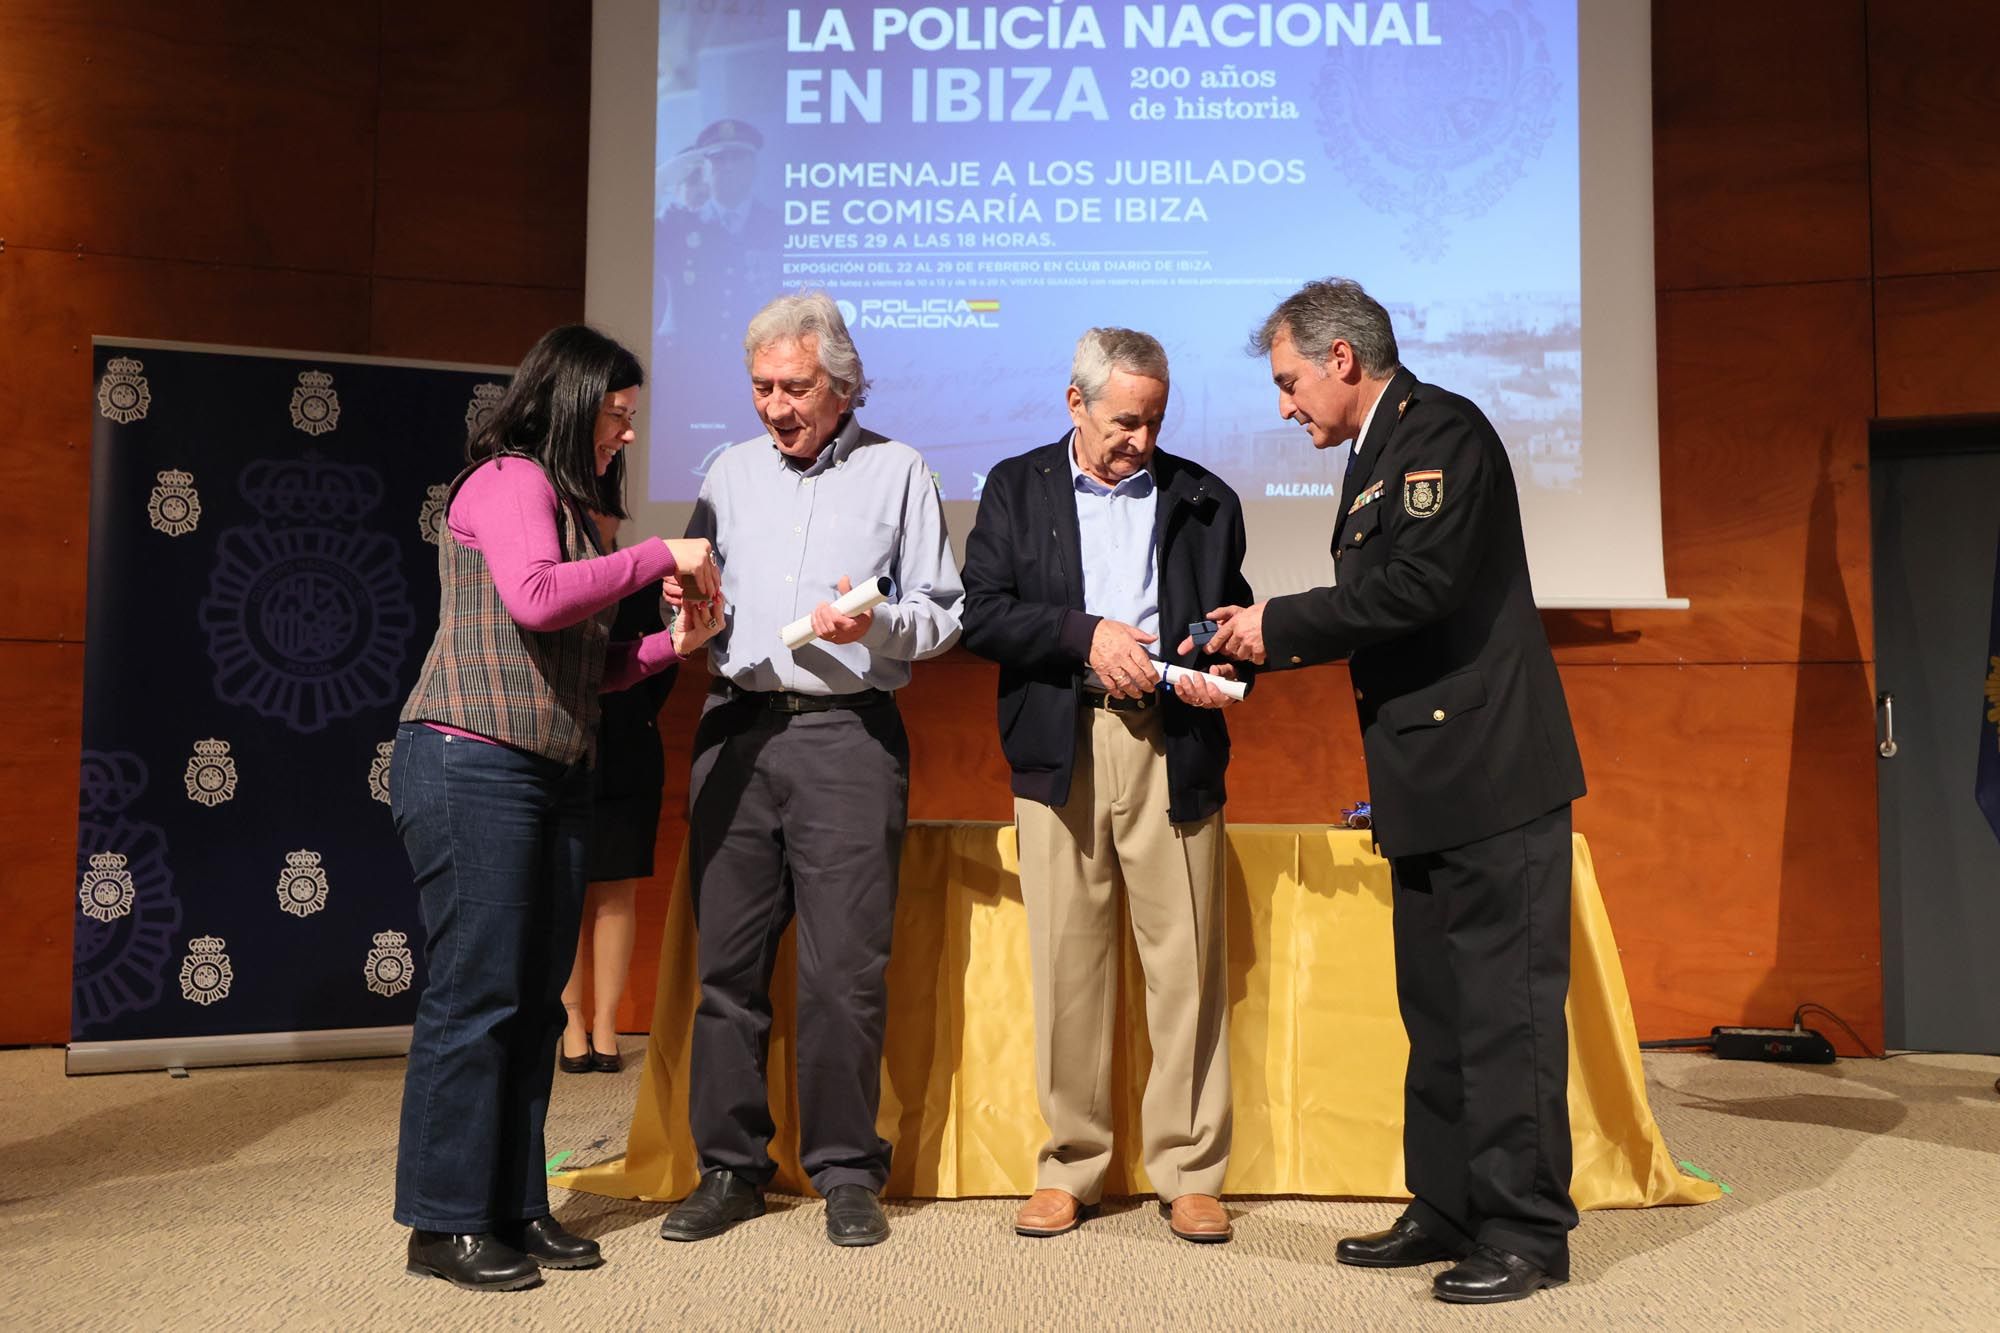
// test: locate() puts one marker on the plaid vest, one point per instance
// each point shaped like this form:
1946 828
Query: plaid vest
533 690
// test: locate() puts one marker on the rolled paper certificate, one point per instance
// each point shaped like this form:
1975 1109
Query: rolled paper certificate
1235 689
865 597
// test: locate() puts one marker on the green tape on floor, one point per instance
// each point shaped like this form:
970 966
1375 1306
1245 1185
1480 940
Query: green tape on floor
1699 1174
555 1163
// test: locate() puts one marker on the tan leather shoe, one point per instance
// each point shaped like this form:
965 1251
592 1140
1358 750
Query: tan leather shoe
1200 1218
1049 1212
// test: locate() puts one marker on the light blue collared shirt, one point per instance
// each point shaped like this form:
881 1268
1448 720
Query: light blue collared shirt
1120 557
784 536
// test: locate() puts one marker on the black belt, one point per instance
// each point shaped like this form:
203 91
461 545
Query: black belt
1112 703
790 701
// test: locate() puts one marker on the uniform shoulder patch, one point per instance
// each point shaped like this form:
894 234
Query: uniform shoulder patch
1423 492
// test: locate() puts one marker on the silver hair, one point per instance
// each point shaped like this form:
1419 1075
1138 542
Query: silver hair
1101 351
1332 309
802 314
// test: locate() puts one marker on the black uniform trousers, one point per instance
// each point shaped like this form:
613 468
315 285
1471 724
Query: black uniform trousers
1482 969
794 814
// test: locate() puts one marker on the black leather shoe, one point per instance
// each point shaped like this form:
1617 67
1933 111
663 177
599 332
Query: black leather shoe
478 1262
854 1216
1404 1245
573 1064
1488 1276
719 1202
551 1244
603 1063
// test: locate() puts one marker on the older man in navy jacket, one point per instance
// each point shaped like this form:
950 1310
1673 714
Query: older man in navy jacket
1083 551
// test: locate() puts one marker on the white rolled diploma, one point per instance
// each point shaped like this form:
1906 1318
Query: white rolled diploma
1170 673
865 597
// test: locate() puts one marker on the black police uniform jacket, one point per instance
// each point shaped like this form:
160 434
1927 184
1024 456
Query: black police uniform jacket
1024 609
1463 720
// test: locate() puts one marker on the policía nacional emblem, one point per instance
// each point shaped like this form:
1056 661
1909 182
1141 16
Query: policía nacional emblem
378 771
390 966
302 884
1993 692
205 972
1423 493
1438 132
211 773
123 395
308 612
124 946
430 519
107 890
315 405
479 407
174 508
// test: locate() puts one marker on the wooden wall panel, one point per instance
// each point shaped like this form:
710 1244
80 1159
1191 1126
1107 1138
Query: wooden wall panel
41 696
1934 344
1760 142
1934 115
1765 395
227 130
1732 817
485 124
55 302
462 321
206 172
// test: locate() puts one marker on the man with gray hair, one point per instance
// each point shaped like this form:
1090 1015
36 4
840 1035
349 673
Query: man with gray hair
799 790
1083 550
1472 767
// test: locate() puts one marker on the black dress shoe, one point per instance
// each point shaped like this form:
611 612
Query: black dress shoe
1404 1245
605 1064
854 1216
476 1262
551 1244
1488 1276
574 1064
719 1202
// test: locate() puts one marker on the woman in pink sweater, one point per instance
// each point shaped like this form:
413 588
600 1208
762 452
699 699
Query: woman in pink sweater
490 787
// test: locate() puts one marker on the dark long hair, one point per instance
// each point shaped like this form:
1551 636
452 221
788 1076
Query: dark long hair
549 414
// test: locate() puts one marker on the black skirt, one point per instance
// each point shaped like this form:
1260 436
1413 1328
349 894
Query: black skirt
623 831
631 771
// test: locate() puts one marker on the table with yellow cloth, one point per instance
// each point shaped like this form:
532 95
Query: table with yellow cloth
1316 1045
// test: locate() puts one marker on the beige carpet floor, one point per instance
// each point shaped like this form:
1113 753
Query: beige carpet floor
1866 1196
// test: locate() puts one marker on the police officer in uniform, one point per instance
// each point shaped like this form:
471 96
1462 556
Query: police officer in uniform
1471 768
717 259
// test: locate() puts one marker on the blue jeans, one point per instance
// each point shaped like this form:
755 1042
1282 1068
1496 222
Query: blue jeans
496 838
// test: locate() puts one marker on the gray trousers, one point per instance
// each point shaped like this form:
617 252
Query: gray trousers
794 815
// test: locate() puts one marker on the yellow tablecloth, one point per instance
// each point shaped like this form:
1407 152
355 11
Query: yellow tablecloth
1316 1047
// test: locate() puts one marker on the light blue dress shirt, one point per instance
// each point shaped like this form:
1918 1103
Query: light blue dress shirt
784 536
1120 555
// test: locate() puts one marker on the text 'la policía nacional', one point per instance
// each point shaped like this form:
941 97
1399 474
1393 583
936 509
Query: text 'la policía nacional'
949 93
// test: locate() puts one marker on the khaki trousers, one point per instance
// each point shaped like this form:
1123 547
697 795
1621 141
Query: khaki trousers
1113 837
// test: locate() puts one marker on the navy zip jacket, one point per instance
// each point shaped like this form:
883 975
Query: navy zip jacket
1024 609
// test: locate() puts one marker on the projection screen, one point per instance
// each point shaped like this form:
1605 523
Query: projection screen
978 184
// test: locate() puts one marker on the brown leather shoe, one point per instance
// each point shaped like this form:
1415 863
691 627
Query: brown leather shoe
1200 1218
1049 1212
